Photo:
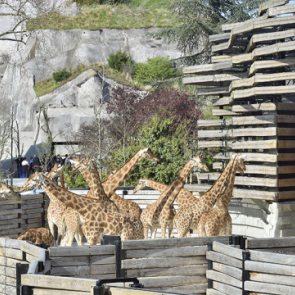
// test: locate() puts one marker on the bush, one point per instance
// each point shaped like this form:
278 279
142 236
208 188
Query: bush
157 68
118 60
61 75
95 2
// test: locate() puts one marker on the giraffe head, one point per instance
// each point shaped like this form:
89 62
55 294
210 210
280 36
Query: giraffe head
241 167
55 171
198 162
142 183
8 193
31 183
77 163
146 153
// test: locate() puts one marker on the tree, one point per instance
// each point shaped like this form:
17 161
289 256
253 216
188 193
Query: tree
16 14
200 18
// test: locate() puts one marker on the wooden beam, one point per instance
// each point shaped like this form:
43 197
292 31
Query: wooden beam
228 270
273 257
207 68
226 289
269 4
221 258
268 288
271 243
223 278
258 144
81 251
227 250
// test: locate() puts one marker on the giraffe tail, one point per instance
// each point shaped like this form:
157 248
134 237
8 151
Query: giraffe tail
63 231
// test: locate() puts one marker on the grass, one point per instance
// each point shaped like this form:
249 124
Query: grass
136 14
48 85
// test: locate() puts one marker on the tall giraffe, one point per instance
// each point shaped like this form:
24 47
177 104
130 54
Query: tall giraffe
189 216
150 216
8 193
96 218
217 220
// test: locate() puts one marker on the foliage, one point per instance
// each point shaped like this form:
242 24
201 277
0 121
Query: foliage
97 17
155 69
61 75
74 179
95 2
201 18
166 144
118 60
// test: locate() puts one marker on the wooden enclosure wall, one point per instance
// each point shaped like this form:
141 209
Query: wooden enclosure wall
16 216
83 261
171 265
251 75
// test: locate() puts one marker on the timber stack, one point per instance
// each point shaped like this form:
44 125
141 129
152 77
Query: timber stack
252 74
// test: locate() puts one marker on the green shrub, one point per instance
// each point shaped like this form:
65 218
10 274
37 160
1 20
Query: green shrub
155 69
61 75
118 60
95 2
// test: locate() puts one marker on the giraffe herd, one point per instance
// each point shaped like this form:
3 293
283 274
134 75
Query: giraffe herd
102 211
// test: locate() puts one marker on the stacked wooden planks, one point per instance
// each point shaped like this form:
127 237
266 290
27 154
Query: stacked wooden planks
226 271
16 216
252 74
83 261
170 265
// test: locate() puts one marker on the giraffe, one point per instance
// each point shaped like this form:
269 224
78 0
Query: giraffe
37 236
188 217
217 220
8 193
150 216
96 219
55 209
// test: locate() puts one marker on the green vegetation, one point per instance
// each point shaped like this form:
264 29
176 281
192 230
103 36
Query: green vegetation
61 75
95 17
118 60
155 69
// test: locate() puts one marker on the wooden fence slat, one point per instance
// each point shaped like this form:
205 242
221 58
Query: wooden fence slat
166 271
227 250
227 289
176 242
272 279
69 261
57 292
271 243
106 259
162 262
6 289
7 271
214 292
81 251
38 252
269 288
272 258
164 252
186 289
223 278
269 268
103 269
11 253
228 270
221 258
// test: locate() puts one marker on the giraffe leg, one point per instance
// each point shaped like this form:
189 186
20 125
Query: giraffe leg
145 231
51 227
170 229
153 231
163 229
79 236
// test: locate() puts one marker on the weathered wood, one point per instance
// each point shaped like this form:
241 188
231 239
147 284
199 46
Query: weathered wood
186 270
8 271
271 243
228 270
6 289
164 252
272 279
269 288
63 283
263 107
207 68
34 250
130 291
269 4
227 250
175 242
33 268
261 169
9 262
102 259
69 261
11 253
221 258
7 281
222 112
162 262
186 289
172 281
81 251
103 269
223 278
10 243
219 37
227 289
57 292
214 292
272 258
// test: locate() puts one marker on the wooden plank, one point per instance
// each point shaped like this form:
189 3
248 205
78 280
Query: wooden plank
223 101
81 251
34 250
255 144
102 259
214 292
222 112
260 169
103 269
8 271
9 262
221 258
228 270
130 291
31 197
219 37
172 281
270 268
227 250
201 80
207 68
272 279
185 270
164 252
38 291
249 108
63 283
11 253
223 278
11 290
269 4
5 280
269 288
186 289
162 262
286 195
272 258
227 289
175 242
69 261
34 267
271 243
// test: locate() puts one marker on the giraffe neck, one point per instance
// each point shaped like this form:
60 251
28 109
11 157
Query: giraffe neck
114 181
62 180
208 200
98 191
225 198
87 176
81 204
172 192
158 186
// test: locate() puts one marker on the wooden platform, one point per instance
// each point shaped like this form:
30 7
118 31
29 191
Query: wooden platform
250 81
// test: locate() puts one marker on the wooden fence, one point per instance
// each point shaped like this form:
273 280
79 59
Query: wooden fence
16 216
